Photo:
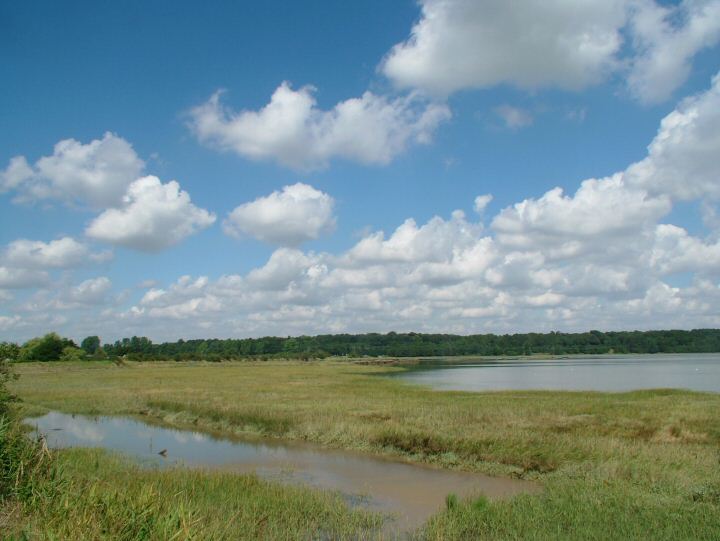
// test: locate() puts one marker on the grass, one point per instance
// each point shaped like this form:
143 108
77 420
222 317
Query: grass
103 496
636 465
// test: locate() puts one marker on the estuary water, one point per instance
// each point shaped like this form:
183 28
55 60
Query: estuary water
409 493
610 373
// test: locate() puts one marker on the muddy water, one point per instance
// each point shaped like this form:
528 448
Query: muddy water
409 493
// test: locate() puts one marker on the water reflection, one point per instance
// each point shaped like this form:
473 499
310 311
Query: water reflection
698 372
411 492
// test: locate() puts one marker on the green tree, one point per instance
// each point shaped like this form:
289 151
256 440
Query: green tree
90 344
47 348
70 353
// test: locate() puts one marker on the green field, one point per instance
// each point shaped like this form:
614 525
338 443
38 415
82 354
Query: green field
640 465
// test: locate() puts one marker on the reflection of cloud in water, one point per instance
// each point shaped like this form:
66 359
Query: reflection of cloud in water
411 491
86 432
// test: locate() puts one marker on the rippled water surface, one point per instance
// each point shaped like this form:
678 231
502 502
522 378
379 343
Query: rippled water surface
698 372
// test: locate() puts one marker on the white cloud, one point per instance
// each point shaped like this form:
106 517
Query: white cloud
284 267
681 164
682 159
514 117
595 258
435 241
8 323
676 251
288 217
293 131
17 172
61 253
92 291
153 216
14 278
481 202
460 44
96 173
570 226
667 38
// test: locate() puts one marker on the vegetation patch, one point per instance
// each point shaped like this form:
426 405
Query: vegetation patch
247 420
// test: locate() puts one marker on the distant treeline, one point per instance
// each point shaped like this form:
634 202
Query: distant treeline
421 345
54 347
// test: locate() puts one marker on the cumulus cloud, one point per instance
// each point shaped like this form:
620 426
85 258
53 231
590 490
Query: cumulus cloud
296 133
595 258
17 172
569 226
682 158
16 278
285 266
434 241
153 216
459 44
675 250
287 217
681 164
89 292
598 257
96 174
62 253
667 38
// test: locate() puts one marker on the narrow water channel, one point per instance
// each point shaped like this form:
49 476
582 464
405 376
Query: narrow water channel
409 493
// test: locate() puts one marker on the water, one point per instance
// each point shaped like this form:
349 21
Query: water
613 373
411 493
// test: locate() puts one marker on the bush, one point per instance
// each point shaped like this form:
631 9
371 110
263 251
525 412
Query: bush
9 351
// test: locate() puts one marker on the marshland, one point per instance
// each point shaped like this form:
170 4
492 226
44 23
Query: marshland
622 465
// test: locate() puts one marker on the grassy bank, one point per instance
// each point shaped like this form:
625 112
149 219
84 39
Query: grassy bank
630 465
100 496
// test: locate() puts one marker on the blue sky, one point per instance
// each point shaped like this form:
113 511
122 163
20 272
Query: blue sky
302 138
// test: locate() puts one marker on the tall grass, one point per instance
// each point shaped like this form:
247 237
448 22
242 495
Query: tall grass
28 473
107 497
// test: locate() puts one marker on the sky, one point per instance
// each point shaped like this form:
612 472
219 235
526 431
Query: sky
241 169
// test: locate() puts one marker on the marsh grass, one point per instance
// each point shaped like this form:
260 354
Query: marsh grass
251 420
579 509
643 464
103 496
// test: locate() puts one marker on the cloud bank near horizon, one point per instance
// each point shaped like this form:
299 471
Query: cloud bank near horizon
602 257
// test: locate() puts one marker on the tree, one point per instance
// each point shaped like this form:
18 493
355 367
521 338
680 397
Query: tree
70 353
48 348
90 344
